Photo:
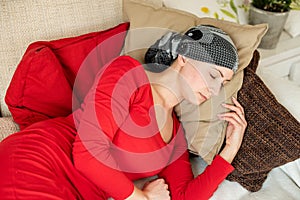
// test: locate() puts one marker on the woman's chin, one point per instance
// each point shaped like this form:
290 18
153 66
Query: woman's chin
196 101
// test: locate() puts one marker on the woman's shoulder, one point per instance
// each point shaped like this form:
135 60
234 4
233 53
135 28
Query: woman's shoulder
125 67
124 70
126 62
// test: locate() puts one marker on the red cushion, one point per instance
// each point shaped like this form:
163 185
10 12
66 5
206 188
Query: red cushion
41 87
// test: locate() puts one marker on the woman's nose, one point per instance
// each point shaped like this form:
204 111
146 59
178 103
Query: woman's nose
215 89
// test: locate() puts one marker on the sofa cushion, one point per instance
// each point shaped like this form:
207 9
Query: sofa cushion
24 22
205 133
7 127
272 136
292 25
146 21
32 95
43 83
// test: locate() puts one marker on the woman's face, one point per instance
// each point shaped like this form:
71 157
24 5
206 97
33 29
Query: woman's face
203 80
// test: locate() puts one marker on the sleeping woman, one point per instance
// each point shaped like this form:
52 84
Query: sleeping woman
127 129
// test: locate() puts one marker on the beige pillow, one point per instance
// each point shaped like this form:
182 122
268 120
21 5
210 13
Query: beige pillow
148 22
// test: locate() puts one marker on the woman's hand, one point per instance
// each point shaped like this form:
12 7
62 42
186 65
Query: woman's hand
156 190
235 129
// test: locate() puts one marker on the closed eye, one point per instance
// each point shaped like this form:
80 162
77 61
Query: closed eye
225 82
214 74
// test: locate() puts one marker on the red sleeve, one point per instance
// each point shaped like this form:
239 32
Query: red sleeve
97 126
183 185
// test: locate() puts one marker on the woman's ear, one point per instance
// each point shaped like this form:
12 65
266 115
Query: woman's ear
181 60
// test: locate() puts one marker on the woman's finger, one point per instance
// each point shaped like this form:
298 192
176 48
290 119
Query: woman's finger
239 118
237 108
166 186
235 101
234 108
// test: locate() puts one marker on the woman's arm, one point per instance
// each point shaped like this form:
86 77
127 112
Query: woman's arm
103 114
154 190
179 176
97 126
137 194
183 185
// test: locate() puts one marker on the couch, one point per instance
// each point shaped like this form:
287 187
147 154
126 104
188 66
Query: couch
24 22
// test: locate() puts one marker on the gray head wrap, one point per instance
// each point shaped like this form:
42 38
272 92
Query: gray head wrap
203 43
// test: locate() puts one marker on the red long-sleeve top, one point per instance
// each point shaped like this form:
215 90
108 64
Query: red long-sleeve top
119 141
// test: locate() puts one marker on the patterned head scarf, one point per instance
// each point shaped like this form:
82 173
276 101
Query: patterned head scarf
203 43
